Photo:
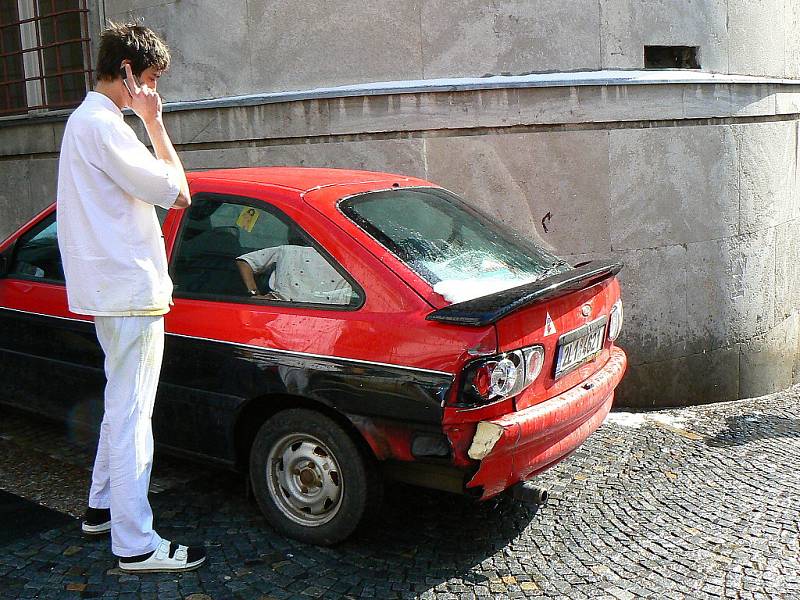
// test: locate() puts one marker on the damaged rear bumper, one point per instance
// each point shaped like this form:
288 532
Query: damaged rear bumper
516 446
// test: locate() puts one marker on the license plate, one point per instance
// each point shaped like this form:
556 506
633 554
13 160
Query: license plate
579 346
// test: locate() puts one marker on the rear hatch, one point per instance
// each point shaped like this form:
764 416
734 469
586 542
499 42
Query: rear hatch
475 272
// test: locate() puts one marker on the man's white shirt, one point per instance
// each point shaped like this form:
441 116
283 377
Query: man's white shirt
111 244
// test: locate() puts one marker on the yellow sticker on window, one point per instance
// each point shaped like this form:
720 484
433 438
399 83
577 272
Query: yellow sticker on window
247 219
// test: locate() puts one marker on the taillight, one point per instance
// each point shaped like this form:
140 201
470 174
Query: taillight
499 377
615 320
534 361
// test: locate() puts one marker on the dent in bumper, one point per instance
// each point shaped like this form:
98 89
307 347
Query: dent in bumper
531 440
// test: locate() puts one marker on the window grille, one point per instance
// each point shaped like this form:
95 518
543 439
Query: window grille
44 55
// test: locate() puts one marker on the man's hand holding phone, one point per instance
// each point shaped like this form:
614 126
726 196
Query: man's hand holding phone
146 103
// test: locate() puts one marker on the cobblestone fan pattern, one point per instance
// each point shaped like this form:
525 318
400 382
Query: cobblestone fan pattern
701 502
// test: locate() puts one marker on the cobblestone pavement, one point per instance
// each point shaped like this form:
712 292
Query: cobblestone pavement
700 502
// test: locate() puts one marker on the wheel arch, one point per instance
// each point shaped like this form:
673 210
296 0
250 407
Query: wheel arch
257 410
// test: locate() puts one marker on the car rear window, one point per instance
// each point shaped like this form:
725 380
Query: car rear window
460 252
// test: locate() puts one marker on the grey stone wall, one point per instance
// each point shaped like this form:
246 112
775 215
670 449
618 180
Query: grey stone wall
693 185
704 212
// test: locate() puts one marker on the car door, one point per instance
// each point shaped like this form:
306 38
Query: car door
225 346
50 361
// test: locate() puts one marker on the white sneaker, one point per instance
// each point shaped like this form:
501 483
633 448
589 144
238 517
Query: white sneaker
168 557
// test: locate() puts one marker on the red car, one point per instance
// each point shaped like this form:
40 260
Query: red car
331 328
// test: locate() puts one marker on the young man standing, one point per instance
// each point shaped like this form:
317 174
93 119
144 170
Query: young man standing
116 270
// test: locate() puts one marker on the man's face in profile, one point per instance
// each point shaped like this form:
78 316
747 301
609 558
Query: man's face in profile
150 77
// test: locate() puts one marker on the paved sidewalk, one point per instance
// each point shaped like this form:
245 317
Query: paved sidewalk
699 502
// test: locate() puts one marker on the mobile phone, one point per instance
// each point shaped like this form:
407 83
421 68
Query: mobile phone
124 74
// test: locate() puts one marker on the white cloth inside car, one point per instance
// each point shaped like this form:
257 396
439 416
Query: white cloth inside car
300 275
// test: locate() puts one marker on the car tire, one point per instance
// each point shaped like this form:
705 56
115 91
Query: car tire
310 479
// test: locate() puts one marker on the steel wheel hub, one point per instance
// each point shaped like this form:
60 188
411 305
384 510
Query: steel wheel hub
304 478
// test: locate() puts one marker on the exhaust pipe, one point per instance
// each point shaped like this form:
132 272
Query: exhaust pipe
530 493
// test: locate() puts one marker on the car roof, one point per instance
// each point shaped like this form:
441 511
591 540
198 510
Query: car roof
301 179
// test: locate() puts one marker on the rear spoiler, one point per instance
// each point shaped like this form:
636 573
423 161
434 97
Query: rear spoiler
490 309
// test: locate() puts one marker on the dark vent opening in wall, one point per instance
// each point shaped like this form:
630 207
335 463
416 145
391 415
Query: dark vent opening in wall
671 57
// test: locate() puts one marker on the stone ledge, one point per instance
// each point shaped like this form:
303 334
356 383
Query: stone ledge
402 112
610 77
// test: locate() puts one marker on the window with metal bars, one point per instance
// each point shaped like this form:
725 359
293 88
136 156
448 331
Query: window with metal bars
44 55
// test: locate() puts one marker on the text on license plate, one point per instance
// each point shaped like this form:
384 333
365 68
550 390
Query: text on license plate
579 346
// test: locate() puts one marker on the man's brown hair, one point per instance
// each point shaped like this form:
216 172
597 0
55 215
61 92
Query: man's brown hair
132 42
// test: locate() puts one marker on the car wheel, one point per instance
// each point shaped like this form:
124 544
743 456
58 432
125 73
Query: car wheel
310 479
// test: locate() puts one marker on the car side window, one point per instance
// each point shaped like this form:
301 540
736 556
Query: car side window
235 248
36 255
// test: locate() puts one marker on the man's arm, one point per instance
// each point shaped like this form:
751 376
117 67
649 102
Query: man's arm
247 275
146 103
166 152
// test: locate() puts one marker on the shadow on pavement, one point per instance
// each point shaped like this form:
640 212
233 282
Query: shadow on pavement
743 429
420 539
443 533
21 518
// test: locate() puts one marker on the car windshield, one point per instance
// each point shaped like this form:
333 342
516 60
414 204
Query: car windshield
460 252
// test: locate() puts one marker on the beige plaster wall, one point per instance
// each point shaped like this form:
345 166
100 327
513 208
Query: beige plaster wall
237 47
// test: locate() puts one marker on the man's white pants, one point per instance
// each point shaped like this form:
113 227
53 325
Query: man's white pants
133 348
